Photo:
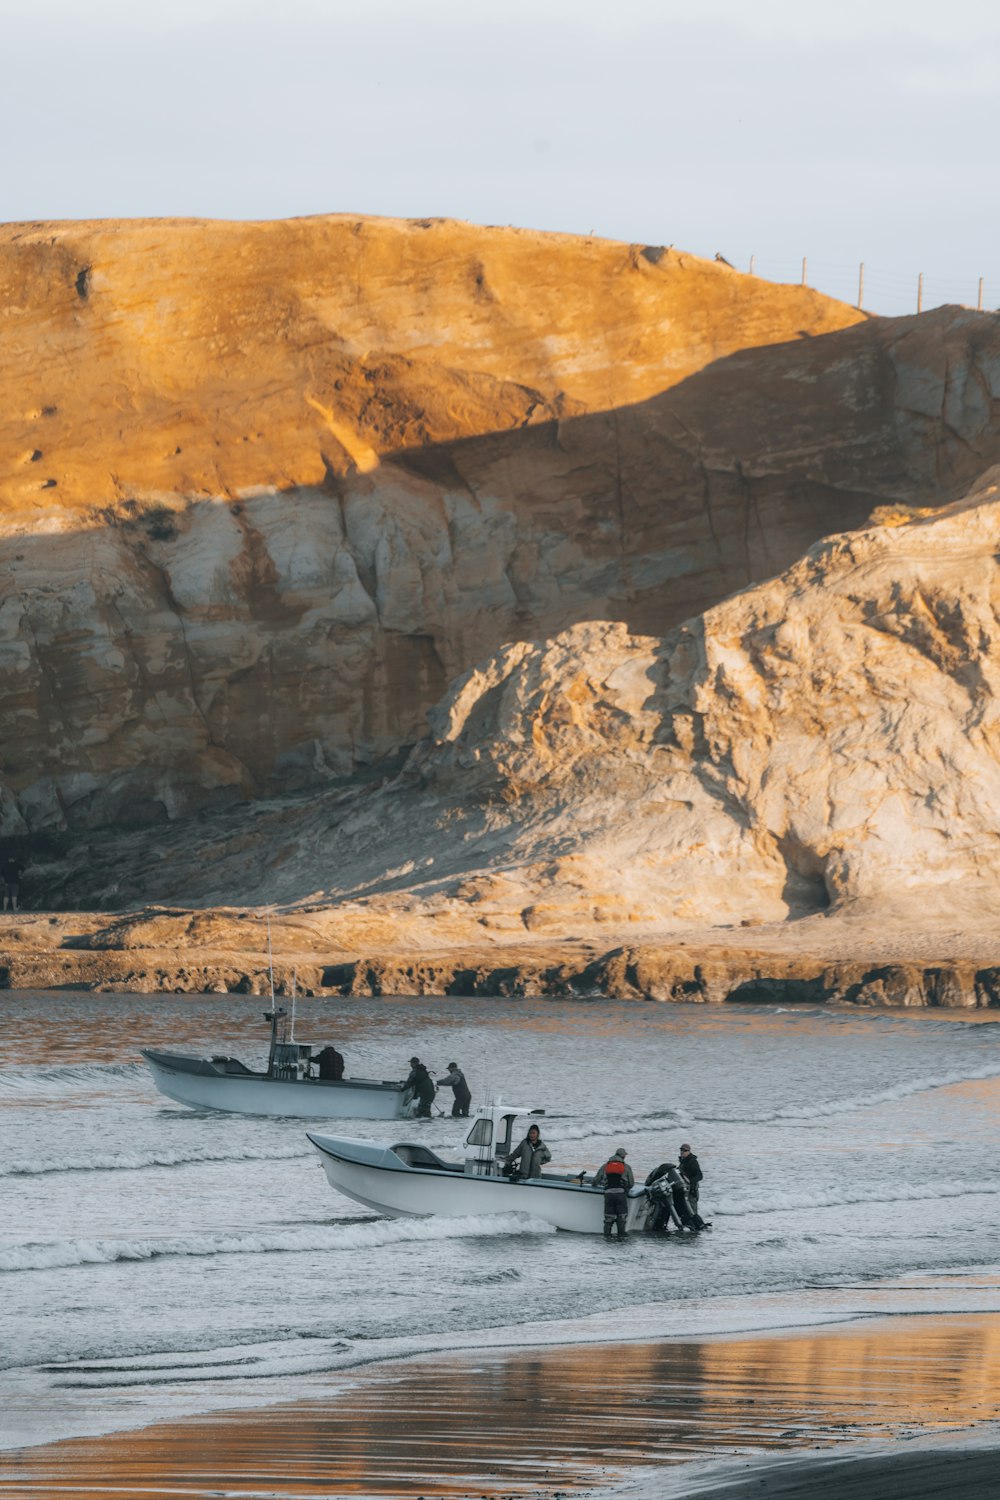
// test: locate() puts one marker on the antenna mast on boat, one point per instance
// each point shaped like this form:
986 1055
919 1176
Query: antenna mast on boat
270 956
275 1015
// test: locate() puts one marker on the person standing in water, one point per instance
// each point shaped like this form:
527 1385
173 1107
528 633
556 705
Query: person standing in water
616 1178
455 1079
692 1174
668 1201
421 1088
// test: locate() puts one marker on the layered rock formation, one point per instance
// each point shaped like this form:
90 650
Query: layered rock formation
827 740
188 952
824 742
266 489
824 746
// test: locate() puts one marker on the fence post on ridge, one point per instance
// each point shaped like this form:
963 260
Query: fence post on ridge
803 270
979 304
753 262
861 286
920 292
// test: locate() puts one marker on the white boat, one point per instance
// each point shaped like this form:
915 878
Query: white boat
409 1179
286 1087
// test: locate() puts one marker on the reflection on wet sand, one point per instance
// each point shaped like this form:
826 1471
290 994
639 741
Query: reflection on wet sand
559 1419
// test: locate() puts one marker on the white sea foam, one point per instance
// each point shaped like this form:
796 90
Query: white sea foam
570 1128
850 1105
558 1129
367 1235
311 1362
869 1194
564 1129
135 1161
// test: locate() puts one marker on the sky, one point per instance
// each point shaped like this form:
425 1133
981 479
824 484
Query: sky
843 132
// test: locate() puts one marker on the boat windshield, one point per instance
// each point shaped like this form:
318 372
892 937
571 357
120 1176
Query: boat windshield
481 1133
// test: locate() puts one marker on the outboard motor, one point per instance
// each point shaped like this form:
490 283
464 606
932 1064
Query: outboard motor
668 1202
661 1206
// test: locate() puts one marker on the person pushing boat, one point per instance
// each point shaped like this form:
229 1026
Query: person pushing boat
669 1190
455 1079
420 1087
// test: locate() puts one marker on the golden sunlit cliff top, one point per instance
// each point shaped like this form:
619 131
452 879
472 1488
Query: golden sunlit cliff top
190 357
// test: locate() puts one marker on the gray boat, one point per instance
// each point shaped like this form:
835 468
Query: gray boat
286 1087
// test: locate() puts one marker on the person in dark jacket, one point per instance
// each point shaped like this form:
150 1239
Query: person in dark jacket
11 870
692 1174
455 1079
530 1156
669 1201
616 1178
331 1063
420 1085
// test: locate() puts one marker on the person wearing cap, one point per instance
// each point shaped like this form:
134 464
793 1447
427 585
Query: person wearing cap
616 1178
692 1174
455 1079
420 1086
668 1200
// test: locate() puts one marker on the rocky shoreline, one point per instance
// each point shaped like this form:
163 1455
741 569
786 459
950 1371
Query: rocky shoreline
650 974
664 971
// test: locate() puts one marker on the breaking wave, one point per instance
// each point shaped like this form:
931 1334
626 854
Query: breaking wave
821 1111
135 1161
272 1363
563 1130
559 1128
493 1278
870 1197
69 1076
61 1254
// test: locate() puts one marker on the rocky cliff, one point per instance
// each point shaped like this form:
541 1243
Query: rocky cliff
265 490
588 812
827 741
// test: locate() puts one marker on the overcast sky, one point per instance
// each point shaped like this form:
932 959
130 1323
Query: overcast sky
842 131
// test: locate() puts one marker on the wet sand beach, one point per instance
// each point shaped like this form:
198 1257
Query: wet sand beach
779 1412
925 1475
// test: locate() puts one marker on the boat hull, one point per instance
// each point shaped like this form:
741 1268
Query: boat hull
200 1085
380 1181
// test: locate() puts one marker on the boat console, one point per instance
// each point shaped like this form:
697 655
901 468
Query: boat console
490 1137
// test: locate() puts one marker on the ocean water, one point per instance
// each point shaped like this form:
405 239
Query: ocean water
159 1261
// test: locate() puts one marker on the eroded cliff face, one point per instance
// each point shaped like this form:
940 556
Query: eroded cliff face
265 490
826 742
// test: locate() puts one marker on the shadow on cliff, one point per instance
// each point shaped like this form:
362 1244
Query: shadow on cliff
729 476
647 514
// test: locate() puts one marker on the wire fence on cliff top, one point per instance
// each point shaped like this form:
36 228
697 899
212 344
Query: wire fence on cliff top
893 293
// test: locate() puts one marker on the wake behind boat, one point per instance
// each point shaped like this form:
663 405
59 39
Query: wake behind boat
287 1086
409 1179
